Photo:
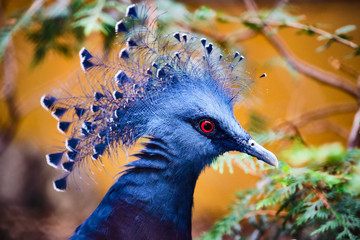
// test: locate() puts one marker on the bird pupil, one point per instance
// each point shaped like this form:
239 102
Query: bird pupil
207 126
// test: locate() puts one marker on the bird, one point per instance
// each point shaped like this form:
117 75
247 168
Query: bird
174 94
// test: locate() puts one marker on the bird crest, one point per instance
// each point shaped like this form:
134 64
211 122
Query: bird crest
123 92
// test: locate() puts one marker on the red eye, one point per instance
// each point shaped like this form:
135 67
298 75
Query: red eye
207 126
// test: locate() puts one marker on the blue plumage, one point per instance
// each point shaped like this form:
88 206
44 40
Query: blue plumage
85 57
176 90
64 126
54 159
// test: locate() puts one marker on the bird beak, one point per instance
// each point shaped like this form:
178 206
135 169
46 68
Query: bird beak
256 150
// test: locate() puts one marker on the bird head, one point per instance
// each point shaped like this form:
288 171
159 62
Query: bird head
175 87
195 118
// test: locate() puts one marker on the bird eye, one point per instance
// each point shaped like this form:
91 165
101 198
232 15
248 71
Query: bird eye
251 142
207 126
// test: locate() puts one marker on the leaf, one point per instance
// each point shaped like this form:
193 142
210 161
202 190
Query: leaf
345 29
22 22
306 31
222 19
330 225
325 46
93 18
204 13
352 55
252 26
5 36
324 37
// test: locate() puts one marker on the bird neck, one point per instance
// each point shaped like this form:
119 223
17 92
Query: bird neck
161 185
153 199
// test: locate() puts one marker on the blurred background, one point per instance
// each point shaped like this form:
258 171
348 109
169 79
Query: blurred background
311 93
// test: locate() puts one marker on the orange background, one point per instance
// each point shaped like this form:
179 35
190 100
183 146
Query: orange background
279 96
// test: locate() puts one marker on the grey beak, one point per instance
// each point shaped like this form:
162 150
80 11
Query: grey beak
256 150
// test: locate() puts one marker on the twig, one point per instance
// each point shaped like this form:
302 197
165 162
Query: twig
251 5
323 33
9 83
304 27
240 35
290 126
318 74
9 66
322 197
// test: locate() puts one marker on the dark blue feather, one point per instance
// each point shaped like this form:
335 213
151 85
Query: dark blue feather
71 156
117 95
68 166
120 27
85 57
79 112
124 54
54 159
131 11
95 108
72 143
64 126
59 112
98 96
47 101
99 149
60 184
177 36
121 78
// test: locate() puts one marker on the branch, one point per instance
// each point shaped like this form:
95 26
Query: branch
324 112
318 74
240 35
251 5
354 136
327 125
8 131
301 26
320 113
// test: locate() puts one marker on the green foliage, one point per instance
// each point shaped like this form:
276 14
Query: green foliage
319 201
345 29
92 17
6 32
204 13
281 17
62 26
